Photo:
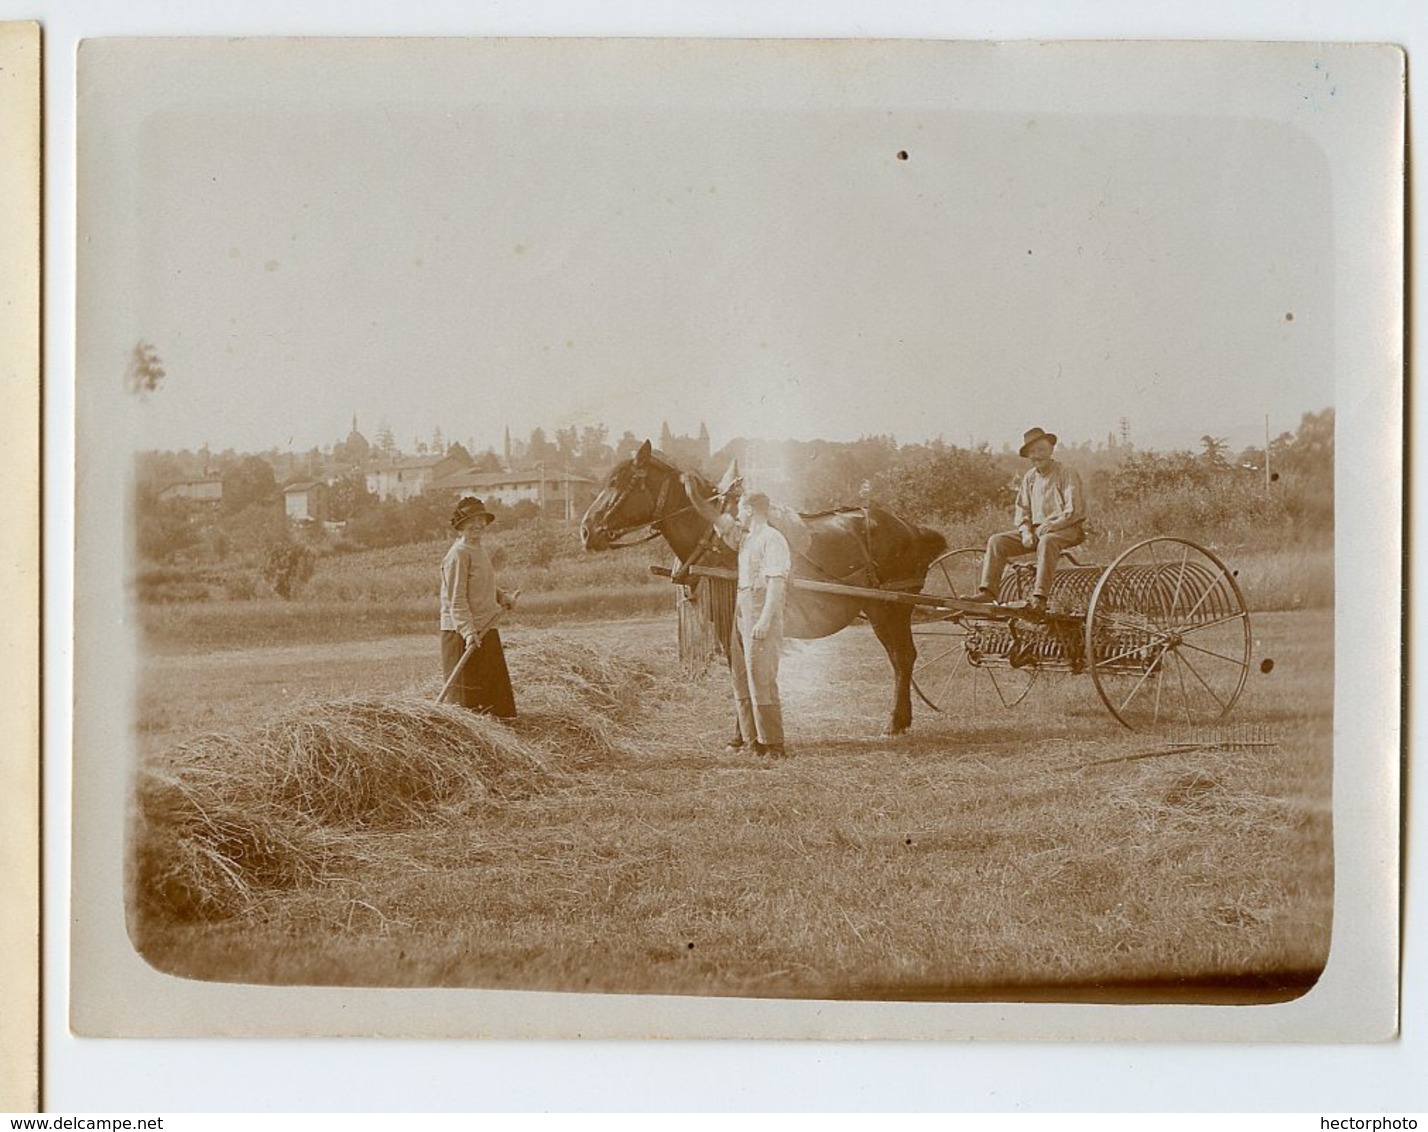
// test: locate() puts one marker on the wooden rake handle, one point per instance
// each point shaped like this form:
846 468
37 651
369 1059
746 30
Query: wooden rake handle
460 664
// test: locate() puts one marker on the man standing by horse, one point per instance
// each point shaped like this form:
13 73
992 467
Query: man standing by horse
1050 518
757 637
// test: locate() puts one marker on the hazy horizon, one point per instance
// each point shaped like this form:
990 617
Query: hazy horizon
476 255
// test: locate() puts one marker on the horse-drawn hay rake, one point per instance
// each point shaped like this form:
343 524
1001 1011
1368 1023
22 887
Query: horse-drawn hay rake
1162 631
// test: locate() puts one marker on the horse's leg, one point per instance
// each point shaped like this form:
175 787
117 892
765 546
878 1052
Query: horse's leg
893 625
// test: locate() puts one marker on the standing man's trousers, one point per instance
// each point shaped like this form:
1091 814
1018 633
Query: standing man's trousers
754 667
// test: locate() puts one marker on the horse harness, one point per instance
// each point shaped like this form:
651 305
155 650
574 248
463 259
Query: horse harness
638 483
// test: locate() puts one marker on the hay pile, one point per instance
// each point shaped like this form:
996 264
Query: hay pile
581 703
227 817
559 671
225 820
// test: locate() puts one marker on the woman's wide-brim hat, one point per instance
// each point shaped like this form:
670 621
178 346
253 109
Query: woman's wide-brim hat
467 508
1032 436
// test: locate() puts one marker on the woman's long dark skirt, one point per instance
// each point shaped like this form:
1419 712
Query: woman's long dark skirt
485 683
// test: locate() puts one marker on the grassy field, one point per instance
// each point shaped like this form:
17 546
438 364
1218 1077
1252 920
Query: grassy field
383 593
1042 852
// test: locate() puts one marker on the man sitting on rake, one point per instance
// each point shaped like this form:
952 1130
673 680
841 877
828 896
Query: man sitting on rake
1050 518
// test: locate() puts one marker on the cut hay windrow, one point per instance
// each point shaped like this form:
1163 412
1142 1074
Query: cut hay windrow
613 686
225 818
231 815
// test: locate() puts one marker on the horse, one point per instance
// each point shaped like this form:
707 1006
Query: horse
866 547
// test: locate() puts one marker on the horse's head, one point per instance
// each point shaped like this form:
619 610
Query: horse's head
639 494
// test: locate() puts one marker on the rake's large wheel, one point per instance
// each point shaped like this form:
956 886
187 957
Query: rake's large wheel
960 661
1168 636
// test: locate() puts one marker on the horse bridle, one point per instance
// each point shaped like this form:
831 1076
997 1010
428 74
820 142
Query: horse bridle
637 483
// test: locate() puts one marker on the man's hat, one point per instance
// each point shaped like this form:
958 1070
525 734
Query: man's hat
1032 436
467 508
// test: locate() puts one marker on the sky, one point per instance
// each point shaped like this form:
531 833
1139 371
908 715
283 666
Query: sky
804 268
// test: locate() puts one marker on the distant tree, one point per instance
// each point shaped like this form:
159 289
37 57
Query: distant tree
156 470
1213 449
386 524
567 446
939 484
1304 466
488 461
164 530
833 474
386 441
249 481
353 451
427 517
256 527
595 450
348 497
458 451
1145 474
1250 458
540 450
287 566
629 444
145 372
1310 451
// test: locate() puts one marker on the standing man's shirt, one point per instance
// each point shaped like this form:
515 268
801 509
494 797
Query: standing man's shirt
1054 496
763 554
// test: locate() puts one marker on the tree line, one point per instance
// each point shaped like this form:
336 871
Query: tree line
1207 494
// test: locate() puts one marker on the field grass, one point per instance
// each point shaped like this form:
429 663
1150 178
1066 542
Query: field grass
381 593
1043 852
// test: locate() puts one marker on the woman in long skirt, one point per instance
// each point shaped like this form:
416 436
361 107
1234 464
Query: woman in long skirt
471 606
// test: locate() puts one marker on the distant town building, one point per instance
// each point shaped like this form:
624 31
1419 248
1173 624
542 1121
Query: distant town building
305 502
408 476
209 489
561 494
354 450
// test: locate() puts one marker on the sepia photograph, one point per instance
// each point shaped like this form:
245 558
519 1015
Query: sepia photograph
738 537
